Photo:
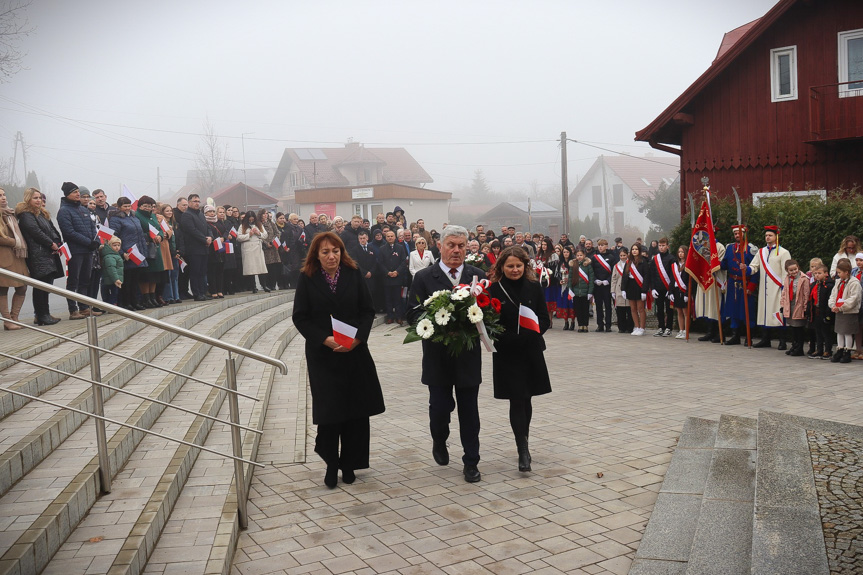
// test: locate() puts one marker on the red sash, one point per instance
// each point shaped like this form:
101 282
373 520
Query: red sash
598 257
767 269
678 279
583 274
634 274
663 275
619 267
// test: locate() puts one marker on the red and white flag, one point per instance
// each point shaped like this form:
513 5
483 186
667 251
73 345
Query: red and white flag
135 255
183 264
64 249
218 244
165 227
527 319
343 333
154 232
233 232
229 248
276 243
128 193
104 233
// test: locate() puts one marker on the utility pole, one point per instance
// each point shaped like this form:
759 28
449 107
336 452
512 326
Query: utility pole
245 185
158 185
564 184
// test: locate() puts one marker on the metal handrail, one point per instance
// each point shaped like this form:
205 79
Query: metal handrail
128 357
129 425
132 393
51 288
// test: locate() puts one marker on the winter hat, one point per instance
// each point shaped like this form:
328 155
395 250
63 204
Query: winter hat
209 208
68 188
84 191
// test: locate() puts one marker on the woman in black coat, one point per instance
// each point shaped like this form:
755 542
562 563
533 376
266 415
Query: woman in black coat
43 241
343 379
518 366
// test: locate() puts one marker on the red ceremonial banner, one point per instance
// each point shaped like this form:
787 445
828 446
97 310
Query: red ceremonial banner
703 259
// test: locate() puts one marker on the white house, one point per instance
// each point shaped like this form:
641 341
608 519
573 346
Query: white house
610 190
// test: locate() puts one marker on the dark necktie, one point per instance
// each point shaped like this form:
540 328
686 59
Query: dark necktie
453 272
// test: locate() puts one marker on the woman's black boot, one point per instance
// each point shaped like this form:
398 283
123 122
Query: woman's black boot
523 454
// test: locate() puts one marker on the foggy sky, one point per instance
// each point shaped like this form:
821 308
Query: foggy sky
115 89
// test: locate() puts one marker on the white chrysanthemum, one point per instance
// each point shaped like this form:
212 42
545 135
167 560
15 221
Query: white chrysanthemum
442 316
434 296
425 328
474 314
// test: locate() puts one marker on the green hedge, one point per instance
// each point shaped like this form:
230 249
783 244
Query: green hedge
809 226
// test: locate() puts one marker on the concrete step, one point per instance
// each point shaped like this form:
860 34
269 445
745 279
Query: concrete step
667 541
46 531
723 536
41 428
789 529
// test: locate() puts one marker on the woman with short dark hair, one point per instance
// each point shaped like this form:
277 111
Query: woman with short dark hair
343 380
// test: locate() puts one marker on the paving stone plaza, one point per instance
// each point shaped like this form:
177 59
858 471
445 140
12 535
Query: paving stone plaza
601 444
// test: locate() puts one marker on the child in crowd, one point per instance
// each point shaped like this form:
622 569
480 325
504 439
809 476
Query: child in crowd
845 303
621 305
820 316
581 283
793 301
681 282
810 332
112 269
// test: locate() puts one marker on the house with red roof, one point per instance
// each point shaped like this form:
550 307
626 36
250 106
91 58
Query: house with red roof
780 109
353 165
611 190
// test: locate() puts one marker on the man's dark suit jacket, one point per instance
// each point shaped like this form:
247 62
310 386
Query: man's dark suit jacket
392 259
439 367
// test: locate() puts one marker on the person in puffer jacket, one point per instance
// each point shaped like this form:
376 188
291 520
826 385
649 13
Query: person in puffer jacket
79 233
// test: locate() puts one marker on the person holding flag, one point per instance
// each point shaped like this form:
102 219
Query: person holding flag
252 239
771 262
127 227
735 308
155 273
519 370
333 311
702 262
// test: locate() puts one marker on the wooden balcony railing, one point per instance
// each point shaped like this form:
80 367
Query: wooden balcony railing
836 111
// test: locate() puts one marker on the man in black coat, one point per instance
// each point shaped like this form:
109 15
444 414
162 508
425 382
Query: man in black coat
183 277
366 256
442 372
349 234
661 279
392 263
603 262
197 239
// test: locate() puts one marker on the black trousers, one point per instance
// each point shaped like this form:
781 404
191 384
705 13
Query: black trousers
80 269
197 269
823 335
582 310
395 308
215 275
442 404
624 319
354 436
664 312
274 271
602 298
40 299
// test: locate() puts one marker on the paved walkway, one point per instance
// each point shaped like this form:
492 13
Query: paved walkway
601 443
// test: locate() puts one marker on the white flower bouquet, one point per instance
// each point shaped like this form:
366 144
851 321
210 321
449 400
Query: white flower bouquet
458 318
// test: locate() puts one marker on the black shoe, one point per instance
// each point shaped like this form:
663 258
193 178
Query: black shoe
796 350
200 298
782 345
208 297
705 337
811 350
600 329
762 343
735 339
524 458
837 356
348 476
440 453
268 290
46 320
815 354
471 474
186 295
332 477
254 290
138 307
846 356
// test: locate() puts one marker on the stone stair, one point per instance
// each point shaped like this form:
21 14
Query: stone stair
53 516
779 494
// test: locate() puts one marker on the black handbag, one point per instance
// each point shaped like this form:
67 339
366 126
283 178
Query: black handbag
152 251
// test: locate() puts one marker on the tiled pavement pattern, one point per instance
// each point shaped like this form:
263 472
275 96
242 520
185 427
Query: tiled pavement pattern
836 460
601 443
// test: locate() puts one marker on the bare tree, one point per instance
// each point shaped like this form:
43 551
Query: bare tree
212 161
13 27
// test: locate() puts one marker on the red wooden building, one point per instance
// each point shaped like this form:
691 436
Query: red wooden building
779 109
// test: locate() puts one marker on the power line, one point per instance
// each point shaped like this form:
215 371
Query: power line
616 152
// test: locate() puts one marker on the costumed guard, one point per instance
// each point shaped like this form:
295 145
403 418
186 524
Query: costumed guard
705 305
771 261
734 308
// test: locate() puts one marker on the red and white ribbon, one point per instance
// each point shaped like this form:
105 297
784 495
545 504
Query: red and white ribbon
768 271
657 261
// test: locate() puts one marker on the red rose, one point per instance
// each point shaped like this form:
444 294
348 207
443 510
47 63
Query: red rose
482 300
495 304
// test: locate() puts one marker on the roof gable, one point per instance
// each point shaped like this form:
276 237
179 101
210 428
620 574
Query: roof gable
734 43
641 175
